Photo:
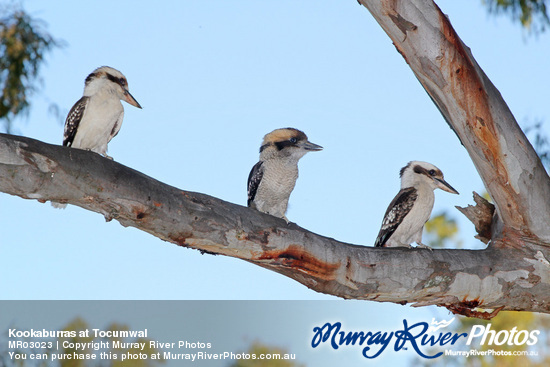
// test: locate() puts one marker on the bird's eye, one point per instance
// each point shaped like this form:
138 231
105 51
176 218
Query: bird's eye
432 172
293 140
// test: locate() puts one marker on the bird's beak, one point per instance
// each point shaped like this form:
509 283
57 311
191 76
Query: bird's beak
443 185
130 99
310 146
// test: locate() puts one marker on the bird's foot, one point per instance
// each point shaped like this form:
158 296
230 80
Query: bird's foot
421 245
108 157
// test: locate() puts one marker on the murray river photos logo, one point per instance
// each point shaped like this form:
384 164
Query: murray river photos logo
418 337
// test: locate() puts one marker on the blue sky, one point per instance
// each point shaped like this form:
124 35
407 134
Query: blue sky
213 78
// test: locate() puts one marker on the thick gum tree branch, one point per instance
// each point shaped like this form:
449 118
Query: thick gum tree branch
474 109
511 279
513 273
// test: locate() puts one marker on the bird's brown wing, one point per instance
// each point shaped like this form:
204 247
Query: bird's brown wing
254 179
400 206
73 120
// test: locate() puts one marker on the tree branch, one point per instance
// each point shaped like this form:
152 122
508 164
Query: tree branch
512 274
36 170
481 216
474 109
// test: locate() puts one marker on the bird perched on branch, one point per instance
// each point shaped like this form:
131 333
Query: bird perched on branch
272 179
97 117
412 206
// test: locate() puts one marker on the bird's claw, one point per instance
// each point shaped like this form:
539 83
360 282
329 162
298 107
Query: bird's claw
421 245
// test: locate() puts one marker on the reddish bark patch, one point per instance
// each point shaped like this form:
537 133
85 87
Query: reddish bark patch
180 238
139 213
470 304
472 92
157 204
296 257
512 238
469 91
467 308
458 309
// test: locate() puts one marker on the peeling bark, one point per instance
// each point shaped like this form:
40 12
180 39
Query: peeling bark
481 216
467 311
505 278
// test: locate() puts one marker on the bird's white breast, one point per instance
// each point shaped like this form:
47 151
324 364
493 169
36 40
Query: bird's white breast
410 229
277 183
96 127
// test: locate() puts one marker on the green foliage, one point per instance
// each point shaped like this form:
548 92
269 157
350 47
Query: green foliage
23 45
441 231
259 349
532 14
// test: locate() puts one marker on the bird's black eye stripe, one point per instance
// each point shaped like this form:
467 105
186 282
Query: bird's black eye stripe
283 144
421 170
280 145
114 79
286 143
90 77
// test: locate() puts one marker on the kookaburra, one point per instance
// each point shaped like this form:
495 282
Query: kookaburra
412 206
96 118
272 179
